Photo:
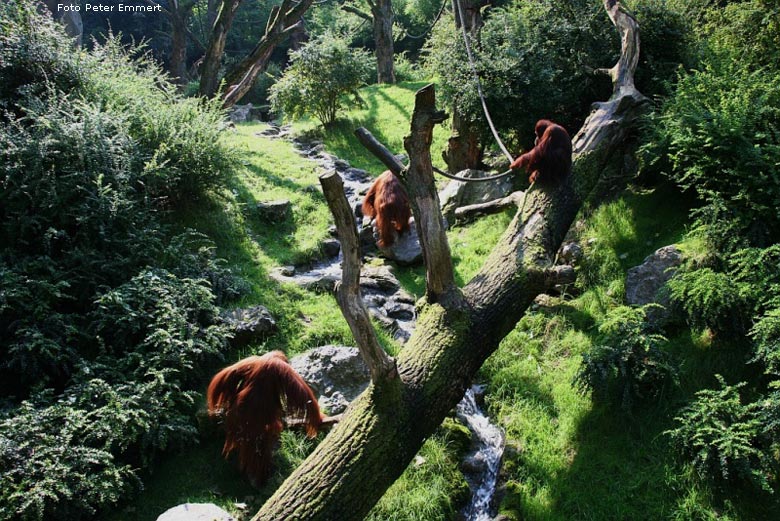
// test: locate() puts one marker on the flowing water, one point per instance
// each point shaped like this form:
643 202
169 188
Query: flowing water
482 464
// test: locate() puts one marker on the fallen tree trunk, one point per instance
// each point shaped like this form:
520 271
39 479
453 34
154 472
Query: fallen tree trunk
457 329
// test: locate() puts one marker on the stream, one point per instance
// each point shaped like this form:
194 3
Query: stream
482 464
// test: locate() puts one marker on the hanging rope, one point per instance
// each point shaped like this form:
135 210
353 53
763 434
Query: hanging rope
479 83
418 36
472 179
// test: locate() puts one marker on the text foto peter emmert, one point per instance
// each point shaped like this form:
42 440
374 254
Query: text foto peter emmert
117 8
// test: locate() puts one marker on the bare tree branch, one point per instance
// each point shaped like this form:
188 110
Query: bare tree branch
381 366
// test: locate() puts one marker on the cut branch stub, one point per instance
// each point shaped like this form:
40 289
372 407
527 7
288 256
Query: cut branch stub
421 188
381 366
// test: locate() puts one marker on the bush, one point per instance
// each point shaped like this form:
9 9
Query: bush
107 321
719 435
322 77
711 300
627 367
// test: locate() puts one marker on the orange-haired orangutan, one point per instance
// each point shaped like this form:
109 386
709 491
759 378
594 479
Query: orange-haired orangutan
550 159
252 396
387 201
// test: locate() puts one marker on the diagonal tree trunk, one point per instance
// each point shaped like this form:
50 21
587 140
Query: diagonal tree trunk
284 20
457 329
212 60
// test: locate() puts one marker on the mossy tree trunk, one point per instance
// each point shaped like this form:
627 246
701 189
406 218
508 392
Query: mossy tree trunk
457 329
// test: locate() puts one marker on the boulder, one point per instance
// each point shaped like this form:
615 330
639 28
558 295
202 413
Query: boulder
241 113
248 324
337 375
406 250
571 253
331 247
644 282
273 211
196 512
458 193
378 278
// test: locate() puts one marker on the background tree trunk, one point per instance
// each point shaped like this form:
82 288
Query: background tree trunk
384 428
178 60
464 150
383 38
212 61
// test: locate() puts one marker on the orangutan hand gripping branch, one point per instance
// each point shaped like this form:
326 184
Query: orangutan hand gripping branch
252 396
550 160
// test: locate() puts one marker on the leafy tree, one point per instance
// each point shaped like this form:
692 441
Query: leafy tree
322 76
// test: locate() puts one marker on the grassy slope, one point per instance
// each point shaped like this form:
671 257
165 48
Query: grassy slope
572 459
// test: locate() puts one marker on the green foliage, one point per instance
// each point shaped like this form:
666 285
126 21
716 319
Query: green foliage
667 45
717 135
718 434
532 59
323 76
710 299
107 319
123 405
627 367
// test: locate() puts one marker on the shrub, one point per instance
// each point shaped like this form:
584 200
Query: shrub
323 75
711 300
107 322
72 455
719 435
627 367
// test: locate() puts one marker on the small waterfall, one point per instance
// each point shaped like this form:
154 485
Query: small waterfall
485 460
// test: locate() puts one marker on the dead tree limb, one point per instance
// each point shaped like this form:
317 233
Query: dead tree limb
379 150
465 213
385 426
380 365
421 187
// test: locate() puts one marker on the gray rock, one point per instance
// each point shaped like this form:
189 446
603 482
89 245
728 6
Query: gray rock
571 253
458 193
287 271
331 247
249 324
337 375
406 250
378 278
273 211
400 311
644 282
196 512
241 113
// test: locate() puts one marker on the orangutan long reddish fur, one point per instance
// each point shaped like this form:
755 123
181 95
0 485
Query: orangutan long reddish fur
387 201
550 159
252 396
